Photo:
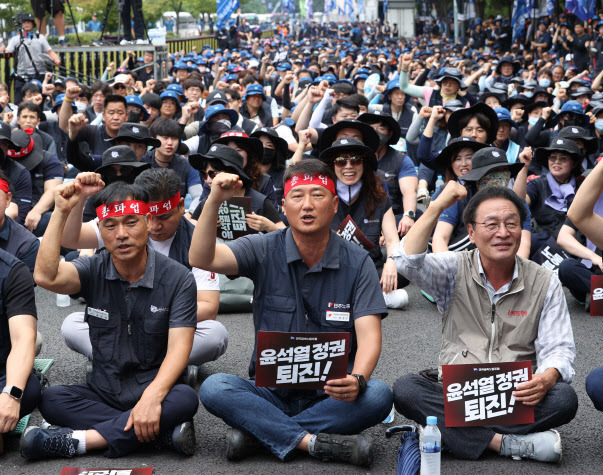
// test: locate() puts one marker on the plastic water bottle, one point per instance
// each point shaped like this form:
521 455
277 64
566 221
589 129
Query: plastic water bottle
417 170
431 445
439 182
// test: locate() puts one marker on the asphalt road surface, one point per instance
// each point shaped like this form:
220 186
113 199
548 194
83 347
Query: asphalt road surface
411 343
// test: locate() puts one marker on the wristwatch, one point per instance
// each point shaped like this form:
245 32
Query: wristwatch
361 382
14 392
410 214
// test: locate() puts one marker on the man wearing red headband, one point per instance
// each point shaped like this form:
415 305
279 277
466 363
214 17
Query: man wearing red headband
141 312
299 274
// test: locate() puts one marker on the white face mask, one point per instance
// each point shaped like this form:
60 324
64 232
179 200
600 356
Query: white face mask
81 107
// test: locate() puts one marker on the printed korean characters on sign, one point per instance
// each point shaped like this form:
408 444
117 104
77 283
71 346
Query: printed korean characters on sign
300 360
232 217
350 231
482 394
106 471
550 255
596 296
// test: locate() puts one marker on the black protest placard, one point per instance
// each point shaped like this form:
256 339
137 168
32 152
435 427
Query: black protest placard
596 296
232 217
482 394
550 255
350 231
300 360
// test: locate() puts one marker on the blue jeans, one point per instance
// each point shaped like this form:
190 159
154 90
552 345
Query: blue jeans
594 387
279 423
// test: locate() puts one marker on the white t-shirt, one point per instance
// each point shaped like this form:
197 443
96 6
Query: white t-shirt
205 280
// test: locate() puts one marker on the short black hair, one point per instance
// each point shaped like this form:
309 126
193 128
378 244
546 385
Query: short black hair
344 88
311 166
490 193
344 103
30 106
160 183
115 98
30 87
102 87
166 128
120 191
192 83
359 100
482 119
85 92
234 94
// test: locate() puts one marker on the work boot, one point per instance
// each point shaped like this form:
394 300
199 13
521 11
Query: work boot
540 446
240 445
37 444
354 449
181 439
190 375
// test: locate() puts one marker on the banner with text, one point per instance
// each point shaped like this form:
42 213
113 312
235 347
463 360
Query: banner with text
482 394
300 360
596 296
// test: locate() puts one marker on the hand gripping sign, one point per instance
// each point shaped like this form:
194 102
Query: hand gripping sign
300 360
596 296
482 394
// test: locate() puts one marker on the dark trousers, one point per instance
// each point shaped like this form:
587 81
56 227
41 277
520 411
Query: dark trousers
538 240
31 393
576 277
417 397
594 387
43 224
136 6
80 408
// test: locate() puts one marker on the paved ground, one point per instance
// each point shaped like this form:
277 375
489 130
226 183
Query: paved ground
411 343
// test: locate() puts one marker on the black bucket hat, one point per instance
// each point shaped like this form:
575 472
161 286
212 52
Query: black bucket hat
533 105
457 116
134 132
559 145
578 133
121 155
280 144
516 99
498 90
487 159
369 136
23 151
452 73
350 144
543 90
443 160
229 157
254 147
508 59
378 116
454 105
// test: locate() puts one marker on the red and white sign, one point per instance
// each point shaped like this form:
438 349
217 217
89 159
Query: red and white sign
349 230
482 394
301 360
596 296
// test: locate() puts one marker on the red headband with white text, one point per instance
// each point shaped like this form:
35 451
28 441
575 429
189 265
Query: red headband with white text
308 179
122 208
161 207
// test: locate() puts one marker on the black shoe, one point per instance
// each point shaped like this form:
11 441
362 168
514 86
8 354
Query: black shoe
354 449
37 444
182 439
63 42
587 304
240 445
190 375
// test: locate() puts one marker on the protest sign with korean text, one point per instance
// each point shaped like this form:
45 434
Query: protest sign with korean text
232 217
106 471
482 394
596 296
350 231
550 255
300 360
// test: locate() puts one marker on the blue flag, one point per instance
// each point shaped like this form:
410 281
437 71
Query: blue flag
521 12
360 6
550 7
348 7
583 9
309 8
385 5
224 9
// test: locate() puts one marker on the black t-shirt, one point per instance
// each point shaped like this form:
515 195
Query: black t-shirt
18 292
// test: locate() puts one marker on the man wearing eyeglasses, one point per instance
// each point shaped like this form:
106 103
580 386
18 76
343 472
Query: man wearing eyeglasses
496 307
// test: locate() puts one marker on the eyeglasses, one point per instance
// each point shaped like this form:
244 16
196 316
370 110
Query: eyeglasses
210 174
119 86
342 161
560 159
492 226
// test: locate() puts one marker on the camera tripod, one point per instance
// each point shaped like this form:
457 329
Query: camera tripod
51 20
120 7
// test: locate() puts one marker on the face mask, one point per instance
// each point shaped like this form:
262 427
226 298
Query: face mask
572 122
599 125
81 107
134 116
513 93
383 138
532 121
268 156
496 178
528 93
219 127
202 69
544 82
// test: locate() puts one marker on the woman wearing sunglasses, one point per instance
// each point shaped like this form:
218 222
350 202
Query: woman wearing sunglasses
363 199
221 158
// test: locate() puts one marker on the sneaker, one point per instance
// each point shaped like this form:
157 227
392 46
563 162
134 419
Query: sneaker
396 298
354 449
142 42
63 42
125 42
240 445
37 444
182 439
540 446
190 375
422 194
